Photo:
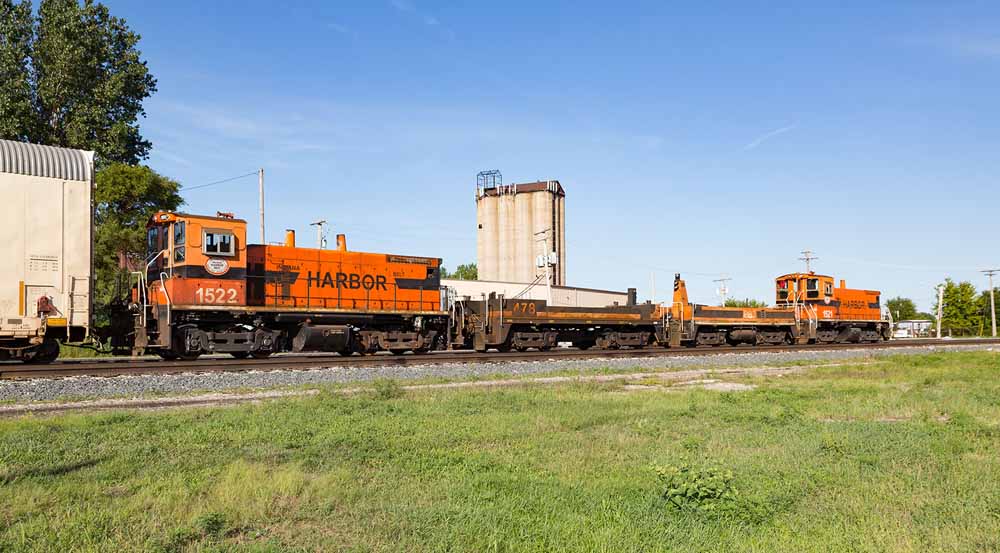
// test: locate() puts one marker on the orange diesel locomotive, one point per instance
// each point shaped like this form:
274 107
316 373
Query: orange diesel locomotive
809 309
836 314
205 290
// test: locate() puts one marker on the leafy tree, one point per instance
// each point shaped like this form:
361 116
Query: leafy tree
746 302
469 271
902 309
984 307
72 77
17 110
961 314
127 196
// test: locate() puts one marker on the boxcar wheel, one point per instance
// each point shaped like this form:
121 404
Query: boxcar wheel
260 354
45 354
240 354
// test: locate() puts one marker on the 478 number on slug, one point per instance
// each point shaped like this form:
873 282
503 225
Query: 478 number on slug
216 295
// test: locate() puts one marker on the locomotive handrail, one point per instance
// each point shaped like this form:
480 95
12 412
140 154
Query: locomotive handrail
163 284
142 280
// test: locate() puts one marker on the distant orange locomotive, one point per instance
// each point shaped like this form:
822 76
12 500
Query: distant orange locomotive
206 291
809 309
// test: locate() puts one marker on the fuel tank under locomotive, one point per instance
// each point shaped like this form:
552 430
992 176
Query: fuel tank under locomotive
332 338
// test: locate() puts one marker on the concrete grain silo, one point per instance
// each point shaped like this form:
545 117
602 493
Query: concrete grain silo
517 224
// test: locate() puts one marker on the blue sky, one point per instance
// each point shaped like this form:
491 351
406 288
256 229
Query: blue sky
706 138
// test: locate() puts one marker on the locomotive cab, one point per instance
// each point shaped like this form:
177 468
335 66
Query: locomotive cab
839 313
195 271
196 260
803 288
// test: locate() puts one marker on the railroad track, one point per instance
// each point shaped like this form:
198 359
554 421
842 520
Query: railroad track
119 366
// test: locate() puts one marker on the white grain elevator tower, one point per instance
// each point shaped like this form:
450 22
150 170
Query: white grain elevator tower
522 227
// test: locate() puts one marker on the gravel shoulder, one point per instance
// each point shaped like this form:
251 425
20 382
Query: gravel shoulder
154 386
679 380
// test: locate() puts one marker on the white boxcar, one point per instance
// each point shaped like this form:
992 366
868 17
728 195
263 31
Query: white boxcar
46 248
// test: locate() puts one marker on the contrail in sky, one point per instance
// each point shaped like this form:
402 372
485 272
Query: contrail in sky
762 138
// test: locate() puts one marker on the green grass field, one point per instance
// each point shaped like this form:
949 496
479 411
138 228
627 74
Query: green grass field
902 454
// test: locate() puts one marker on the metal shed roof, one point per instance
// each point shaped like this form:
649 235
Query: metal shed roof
22 158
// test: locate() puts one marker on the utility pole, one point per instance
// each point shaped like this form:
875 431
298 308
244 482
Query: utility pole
807 256
723 289
320 241
940 308
993 305
260 189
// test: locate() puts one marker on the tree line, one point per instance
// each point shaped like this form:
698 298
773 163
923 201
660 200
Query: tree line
964 311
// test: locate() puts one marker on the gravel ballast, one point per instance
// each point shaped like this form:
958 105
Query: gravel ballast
143 385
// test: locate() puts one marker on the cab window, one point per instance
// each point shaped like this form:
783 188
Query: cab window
180 228
812 288
152 241
218 243
782 289
828 289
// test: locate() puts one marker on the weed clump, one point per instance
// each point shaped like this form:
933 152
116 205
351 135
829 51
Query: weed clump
211 524
388 388
690 488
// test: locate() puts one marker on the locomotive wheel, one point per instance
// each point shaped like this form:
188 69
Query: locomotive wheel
179 349
240 354
166 354
503 348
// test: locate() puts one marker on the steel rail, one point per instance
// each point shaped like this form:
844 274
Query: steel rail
120 366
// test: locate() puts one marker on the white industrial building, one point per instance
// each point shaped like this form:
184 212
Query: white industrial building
561 295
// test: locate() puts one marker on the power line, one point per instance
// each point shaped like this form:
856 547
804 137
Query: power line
186 188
